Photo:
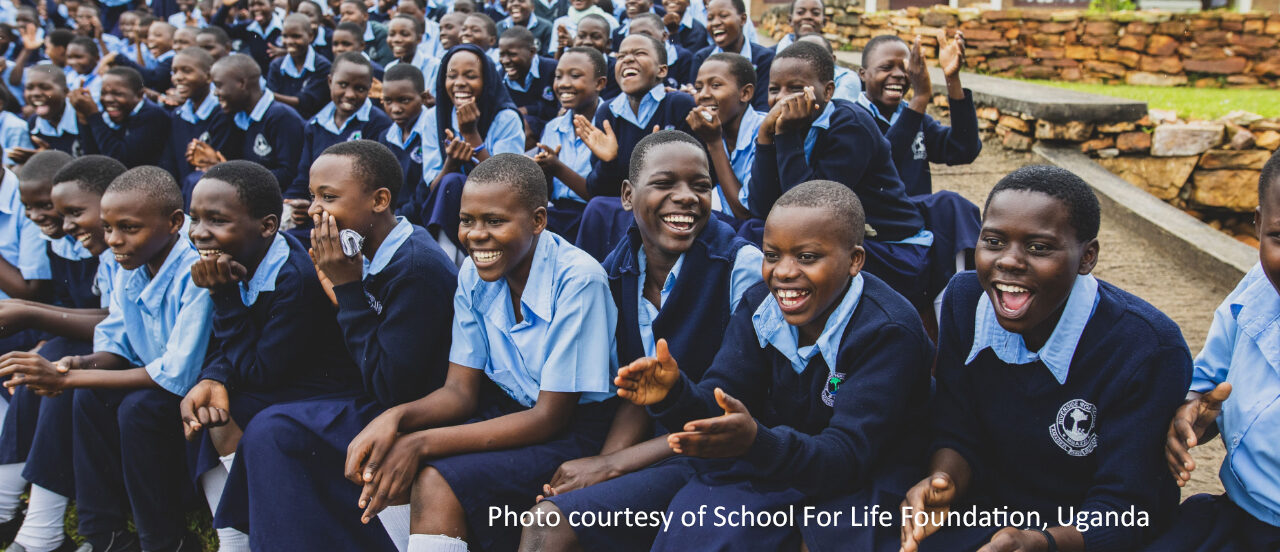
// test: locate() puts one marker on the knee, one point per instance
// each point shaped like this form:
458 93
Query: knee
275 432
548 536
146 410
429 486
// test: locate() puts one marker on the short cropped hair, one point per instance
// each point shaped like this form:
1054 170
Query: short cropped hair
1075 194
640 154
418 26
405 72
352 28
595 17
218 35
242 66
130 75
58 76
816 56
87 43
372 163
650 17
489 25
92 173
356 58
660 49
153 183
201 57
597 59
518 172
1266 179
44 165
256 187
877 42
837 199
740 67
521 35
61 37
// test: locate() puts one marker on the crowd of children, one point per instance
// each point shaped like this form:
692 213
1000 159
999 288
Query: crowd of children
355 275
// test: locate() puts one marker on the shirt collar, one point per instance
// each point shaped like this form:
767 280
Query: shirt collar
1061 346
166 56
395 136
243 120
368 32
746 48
320 39
195 115
672 53
66 247
823 121
382 257
264 278
325 117
668 284
308 64
1257 312
67 124
748 128
533 74
116 126
273 25
152 293
871 108
621 106
772 329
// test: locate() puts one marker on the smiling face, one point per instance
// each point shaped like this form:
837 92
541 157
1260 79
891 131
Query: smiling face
464 78
499 231
184 38
137 230
791 76
230 88
261 11
344 41
807 17
637 7
519 10
516 57
312 11
1028 258
86 16
677 7
353 13
221 223
474 31
725 23
672 198
296 37
402 37
37 201
79 210
45 94
718 89
638 69
349 87
885 75
335 190
593 34
576 83
118 98
806 266
81 59
209 43
159 38
402 103
189 78
451 29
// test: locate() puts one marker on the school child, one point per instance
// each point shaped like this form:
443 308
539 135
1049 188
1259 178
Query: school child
147 354
404 36
34 43
567 26
403 96
679 60
806 135
188 15
890 69
267 130
563 156
347 38
531 377
832 363
275 336
529 78
215 41
672 279
89 25
184 37
451 31
82 267
257 35
522 15
480 30
473 119
299 78
373 33
549 11
1233 383
725 22
197 119
53 121
685 28
129 126
848 83
625 12
323 41
806 17
727 125
130 43
82 67
160 44
394 307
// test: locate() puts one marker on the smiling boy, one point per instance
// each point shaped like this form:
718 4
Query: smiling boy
565 158
259 33
298 78
727 123
522 15
725 22
403 95
53 121
529 78
197 119
129 126
267 130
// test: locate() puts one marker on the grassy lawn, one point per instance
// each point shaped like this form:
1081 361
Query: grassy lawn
1197 103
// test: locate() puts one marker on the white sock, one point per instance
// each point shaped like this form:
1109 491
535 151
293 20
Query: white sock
436 543
227 461
42 529
11 486
231 540
212 482
395 520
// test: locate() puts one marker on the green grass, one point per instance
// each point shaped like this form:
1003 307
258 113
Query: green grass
1194 103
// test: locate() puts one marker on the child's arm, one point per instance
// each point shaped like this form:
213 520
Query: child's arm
709 131
30 279
766 187
30 46
1193 423
957 144
549 159
949 480
17 314
607 171
625 450
838 154
156 77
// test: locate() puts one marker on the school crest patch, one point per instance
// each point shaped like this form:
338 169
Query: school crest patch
918 150
1073 428
547 94
355 136
831 388
260 146
416 155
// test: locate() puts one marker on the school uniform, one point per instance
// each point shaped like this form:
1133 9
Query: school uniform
897 243
848 84
611 87
536 93
193 19
323 43
375 43
22 246
13 134
666 110
309 83
761 58
65 137
368 122
570 22
395 324
692 34
742 158
251 34
917 139
550 10
129 450
91 82
205 122
156 74
408 149
268 135
133 140
539 26
1241 350
565 210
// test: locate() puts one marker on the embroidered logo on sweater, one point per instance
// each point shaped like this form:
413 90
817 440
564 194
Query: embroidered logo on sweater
548 94
918 150
260 146
831 388
374 303
355 136
1073 428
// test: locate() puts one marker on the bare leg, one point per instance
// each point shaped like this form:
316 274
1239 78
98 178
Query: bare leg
435 509
557 538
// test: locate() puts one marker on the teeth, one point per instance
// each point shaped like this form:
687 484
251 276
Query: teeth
485 256
84 239
1011 288
567 96
791 293
210 253
678 219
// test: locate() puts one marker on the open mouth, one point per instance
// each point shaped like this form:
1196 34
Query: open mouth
347 106
485 256
41 105
210 253
1012 300
568 96
718 34
680 223
791 300
896 89
462 96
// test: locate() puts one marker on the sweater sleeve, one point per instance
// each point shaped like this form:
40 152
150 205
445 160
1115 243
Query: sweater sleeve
606 176
958 144
298 188
842 154
285 139
260 357
953 416
766 188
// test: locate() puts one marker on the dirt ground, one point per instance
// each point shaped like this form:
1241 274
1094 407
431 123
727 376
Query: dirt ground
1130 262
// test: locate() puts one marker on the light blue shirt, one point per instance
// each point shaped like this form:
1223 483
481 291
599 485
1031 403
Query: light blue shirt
243 120
91 82
308 64
68 248
570 23
532 74
179 20
621 106
104 280
116 126
1243 349
1057 352
264 277
273 25
67 124
772 329
741 159
746 48
430 67
565 342
823 121
396 136
324 119
574 153
387 250
21 241
160 322
848 85
866 104
191 114
8 13
13 134
430 47
745 273
506 135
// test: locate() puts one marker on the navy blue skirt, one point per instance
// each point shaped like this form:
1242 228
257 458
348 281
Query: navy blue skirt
202 455
564 217
49 459
650 490
1213 523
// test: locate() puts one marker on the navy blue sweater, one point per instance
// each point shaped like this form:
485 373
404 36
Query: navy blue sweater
851 151
876 422
251 43
397 323
273 142
557 9
315 139
138 141
692 38
215 131
681 71
917 140
311 89
410 158
288 338
72 144
611 88
606 176
156 77
1131 364
695 315
539 101
73 281
761 59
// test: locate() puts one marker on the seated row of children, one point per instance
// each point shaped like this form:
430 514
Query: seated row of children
327 405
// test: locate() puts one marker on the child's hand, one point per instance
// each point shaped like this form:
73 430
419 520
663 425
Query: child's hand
171 98
579 473
951 57
563 40
274 51
298 211
83 102
104 64
932 495
797 111
365 452
216 273
375 90
705 123
206 405
457 152
602 143
647 380
201 155
394 478
1188 427
547 158
468 116
327 250
671 21
918 74
726 436
34 371
30 37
